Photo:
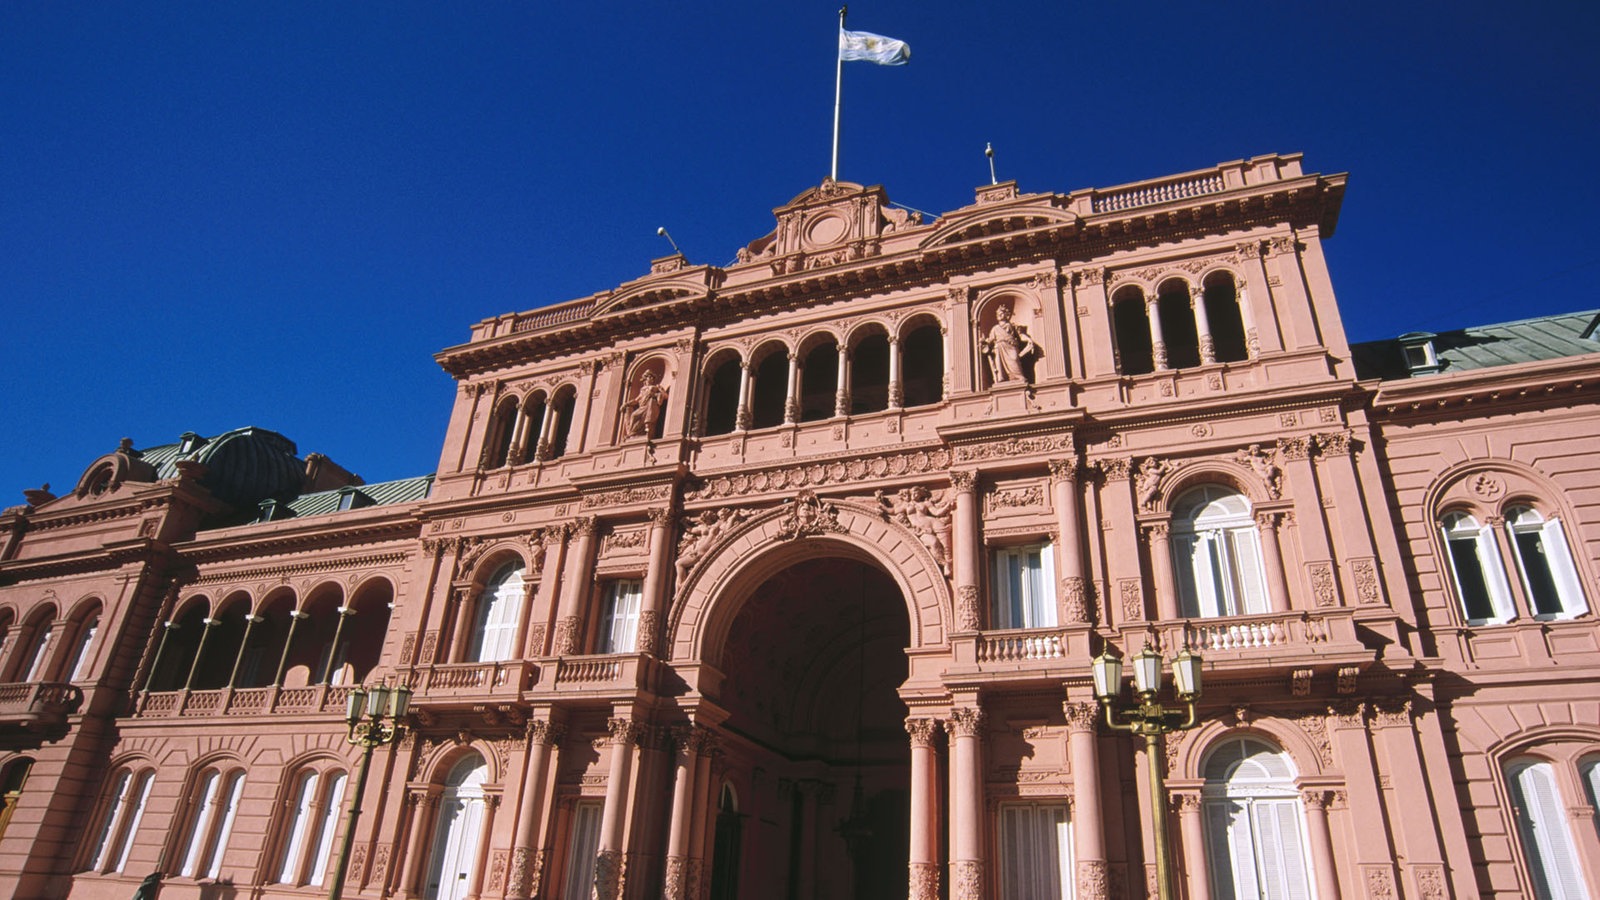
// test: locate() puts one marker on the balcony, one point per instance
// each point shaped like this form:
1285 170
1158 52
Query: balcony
600 675
1286 640
38 704
228 702
447 685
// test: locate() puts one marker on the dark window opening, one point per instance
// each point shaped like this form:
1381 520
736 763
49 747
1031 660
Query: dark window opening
869 375
1178 331
722 398
1132 325
1226 321
819 383
561 408
499 440
770 391
922 366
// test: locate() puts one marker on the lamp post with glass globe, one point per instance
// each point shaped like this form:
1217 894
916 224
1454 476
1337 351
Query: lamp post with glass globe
374 715
1151 719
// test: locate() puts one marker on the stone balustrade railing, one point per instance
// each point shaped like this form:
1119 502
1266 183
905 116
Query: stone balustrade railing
322 698
36 702
1159 192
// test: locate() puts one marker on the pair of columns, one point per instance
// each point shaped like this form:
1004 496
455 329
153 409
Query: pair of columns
546 434
1202 325
966 727
1319 838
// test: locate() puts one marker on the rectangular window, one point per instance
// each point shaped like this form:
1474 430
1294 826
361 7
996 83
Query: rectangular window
1548 574
620 633
1022 587
582 848
1479 578
1035 851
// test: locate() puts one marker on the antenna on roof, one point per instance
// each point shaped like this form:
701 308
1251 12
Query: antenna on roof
663 232
988 150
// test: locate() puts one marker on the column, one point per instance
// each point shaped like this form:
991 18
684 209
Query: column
1321 840
841 395
1088 830
964 555
519 437
1069 549
1300 483
550 581
741 421
1202 325
415 861
1161 568
461 629
344 613
966 803
199 651
542 735
608 861
574 590
480 863
249 625
689 740
655 580
295 616
1191 829
806 866
547 426
1417 831
896 391
699 821
1272 561
924 861
791 394
1158 344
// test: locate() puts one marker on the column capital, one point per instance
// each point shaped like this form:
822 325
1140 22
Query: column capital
544 731
625 731
1081 716
922 731
1065 470
1315 799
966 721
963 479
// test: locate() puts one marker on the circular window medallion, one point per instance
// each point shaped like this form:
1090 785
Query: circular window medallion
825 230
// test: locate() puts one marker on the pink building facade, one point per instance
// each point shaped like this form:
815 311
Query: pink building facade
783 579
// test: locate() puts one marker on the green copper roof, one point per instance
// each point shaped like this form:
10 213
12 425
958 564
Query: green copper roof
1485 346
383 493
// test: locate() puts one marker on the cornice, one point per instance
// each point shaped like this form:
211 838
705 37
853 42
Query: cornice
1486 391
299 567
213 549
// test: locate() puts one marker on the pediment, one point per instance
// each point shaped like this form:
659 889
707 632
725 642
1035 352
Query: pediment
657 290
986 222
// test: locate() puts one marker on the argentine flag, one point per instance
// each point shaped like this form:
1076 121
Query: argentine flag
873 48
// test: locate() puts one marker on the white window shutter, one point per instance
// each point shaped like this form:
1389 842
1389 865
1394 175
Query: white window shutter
201 819
622 616
331 816
229 811
1248 573
305 794
117 810
1280 849
124 835
1494 575
1563 570
1183 556
585 842
1546 840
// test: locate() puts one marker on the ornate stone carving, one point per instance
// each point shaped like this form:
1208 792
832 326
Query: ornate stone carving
633 539
807 515
1348 714
1008 349
677 871
1294 447
1147 482
1379 881
1091 879
1264 462
922 731
1080 716
650 632
1322 583
702 533
926 515
1368 590
566 643
824 472
625 731
963 479
967 614
1392 713
607 874
1300 682
1334 443
924 881
1074 601
967 721
1069 470
1430 879
1132 599
1011 448
623 497
1346 683
1113 468
966 880
499 862
1487 486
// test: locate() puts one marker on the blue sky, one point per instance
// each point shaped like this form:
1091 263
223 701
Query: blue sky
273 214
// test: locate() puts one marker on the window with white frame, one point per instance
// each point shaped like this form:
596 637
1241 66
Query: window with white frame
1254 825
32 667
1021 587
499 611
309 837
1035 851
620 617
1216 552
582 847
125 809
1544 561
1542 823
211 822
1475 569
458 831
78 664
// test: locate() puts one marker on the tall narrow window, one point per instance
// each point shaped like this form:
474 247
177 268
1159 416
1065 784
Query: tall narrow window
499 612
1131 324
581 851
1545 562
1475 568
722 397
114 839
819 383
212 823
1255 831
78 665
1022 587
32 667
458 832
16 775
1035 851
922 364
1216 552
621 616
309 838
1542 823
770 390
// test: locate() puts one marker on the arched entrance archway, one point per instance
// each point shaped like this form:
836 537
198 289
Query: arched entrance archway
815 738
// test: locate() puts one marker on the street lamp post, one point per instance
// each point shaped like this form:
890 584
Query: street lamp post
373 715
1151 719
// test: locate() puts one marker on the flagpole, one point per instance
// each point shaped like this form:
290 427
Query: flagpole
838 92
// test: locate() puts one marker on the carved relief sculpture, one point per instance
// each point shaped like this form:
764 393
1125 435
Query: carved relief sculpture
1264 462
926 515
1147 481
1008 349
702 533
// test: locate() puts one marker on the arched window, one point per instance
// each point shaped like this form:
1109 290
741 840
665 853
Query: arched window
77 667
494 631
1022 587
725 847
1255 829
722 397
1229 339
770 390
1475 569
1216 551
11 784
124 809
497 446
214 806
922 361
1131 324
561 409
819 383
1178 331
1545 563
308 837
869 374
31 664
1035 851
1542 824
457 832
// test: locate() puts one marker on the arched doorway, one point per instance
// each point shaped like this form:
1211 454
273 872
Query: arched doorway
815 738
457 831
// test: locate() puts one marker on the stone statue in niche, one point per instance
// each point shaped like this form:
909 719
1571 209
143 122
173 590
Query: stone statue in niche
1264 463
1009 349
641 414
926 515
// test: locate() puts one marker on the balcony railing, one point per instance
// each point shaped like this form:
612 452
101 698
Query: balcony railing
1018 646
322 698
35 703
474 679
599 673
